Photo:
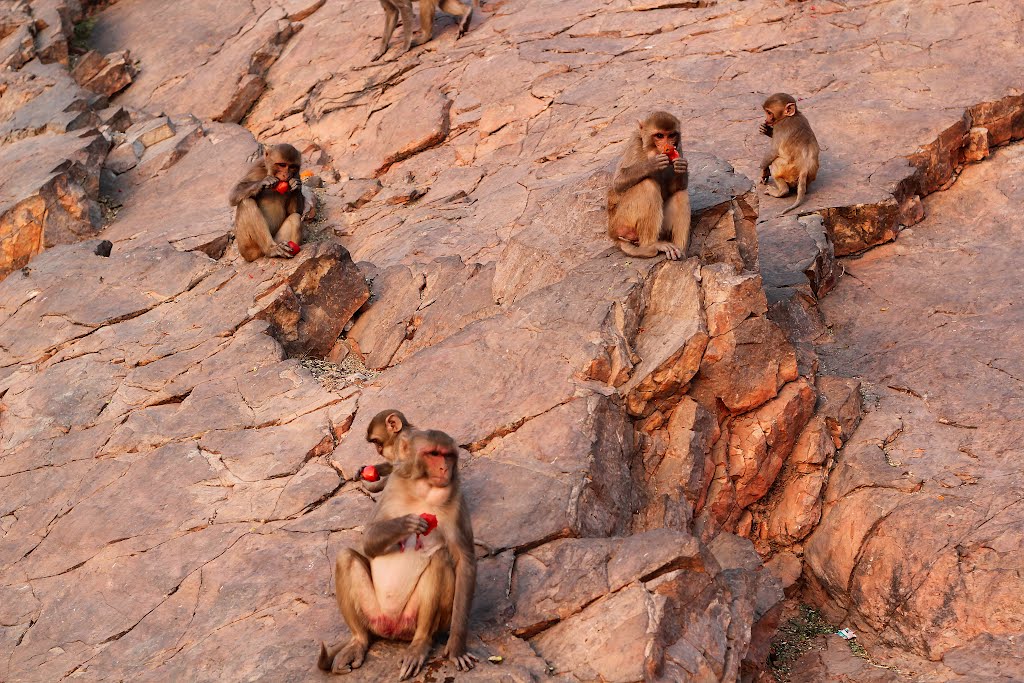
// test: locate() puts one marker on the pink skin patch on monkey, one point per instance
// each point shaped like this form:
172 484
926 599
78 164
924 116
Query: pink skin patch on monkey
396 628
628 236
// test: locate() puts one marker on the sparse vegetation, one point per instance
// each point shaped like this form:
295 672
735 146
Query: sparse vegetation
82 34
334 377
794 638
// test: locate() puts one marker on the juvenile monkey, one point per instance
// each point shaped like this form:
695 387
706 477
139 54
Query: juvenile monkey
269 205
395 8
648 201
383 432
793 157
412 579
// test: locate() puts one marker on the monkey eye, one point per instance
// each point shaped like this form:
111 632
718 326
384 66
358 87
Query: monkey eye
659 136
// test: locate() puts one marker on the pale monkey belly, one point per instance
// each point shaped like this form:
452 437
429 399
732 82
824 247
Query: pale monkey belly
274 212
396 573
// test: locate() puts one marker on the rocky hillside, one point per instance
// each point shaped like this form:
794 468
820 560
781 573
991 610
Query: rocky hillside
661 459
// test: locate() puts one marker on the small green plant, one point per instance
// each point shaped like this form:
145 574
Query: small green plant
794 638
82 33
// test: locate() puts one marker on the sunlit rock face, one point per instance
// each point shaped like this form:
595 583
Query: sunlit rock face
652 452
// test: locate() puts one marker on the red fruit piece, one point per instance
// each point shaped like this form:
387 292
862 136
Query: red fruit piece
672 154
369 472
282 187
294 248
431 521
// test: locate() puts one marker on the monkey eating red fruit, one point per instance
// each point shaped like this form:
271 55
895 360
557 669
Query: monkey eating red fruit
282 187
431 521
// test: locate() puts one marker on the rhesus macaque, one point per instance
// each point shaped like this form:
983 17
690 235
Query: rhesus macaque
411 580
395 8
269 205
383 432
793 157
648 202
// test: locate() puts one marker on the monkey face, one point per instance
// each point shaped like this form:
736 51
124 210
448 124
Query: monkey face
439 463
665 140
776 109
284 170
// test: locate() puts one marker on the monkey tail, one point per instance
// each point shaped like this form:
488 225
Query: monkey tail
801 190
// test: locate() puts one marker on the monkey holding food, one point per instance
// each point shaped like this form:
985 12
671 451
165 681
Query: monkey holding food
416 572
395 8
649 199
269 205
383 432
793 156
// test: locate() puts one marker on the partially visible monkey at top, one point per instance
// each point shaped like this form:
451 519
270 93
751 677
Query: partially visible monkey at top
393 9
269 205
793 156
649 199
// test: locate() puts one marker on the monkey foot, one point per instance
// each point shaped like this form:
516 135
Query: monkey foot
775 193
465 661
414 659
348 658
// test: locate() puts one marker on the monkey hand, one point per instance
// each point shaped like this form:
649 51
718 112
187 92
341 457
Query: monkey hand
281 251
268 182
659 163
765 129
294 184
679 166
457 653
414 524
765 174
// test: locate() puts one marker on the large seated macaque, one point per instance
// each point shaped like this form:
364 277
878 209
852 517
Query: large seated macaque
793 157
648 202
383 432
393 9
417 572
269 205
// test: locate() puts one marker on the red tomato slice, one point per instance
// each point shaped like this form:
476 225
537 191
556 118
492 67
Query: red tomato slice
431 521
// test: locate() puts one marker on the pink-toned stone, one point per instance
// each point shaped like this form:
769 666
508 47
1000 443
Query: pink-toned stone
670 340
745 367
48 196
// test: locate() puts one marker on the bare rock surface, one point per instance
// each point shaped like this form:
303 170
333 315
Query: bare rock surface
636 435
939 441
214 66
49 195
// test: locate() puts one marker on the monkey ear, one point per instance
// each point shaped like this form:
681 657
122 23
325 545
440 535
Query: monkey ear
394 423
790 109
640 124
